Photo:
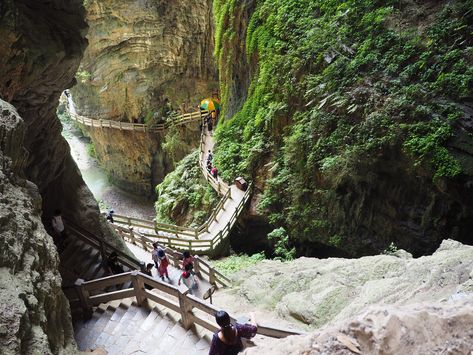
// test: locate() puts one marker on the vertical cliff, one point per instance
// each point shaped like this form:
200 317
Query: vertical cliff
142 56
355 122
41 48
141 53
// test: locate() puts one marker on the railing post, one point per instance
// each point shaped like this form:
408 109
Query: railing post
196 232
132 236
186 310
197 266
143 242
84 298
212 278
139 287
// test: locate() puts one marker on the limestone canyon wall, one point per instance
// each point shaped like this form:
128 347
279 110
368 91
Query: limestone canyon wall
142 55
136 161
41 48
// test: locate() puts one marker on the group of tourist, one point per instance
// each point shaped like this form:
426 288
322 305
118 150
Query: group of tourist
161 262
212 169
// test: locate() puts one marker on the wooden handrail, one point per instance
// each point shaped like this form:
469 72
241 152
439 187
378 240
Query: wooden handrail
136 238
184 306
139 127
104 247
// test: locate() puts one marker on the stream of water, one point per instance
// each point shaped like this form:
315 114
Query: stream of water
108 195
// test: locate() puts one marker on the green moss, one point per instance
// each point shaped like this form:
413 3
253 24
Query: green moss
185 197
232 264
337 83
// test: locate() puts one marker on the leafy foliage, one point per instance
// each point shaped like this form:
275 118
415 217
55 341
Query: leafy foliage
337 83
234 263
184 197
282 251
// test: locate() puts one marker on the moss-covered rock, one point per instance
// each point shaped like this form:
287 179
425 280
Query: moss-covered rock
185 197
357 115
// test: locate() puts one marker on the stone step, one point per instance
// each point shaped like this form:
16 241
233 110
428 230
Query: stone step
88 340
114 320
71 262
70 249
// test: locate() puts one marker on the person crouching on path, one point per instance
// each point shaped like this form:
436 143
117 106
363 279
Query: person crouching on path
163 264
227 341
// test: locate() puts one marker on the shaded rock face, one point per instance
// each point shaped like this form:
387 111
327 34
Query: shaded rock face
136 161
141 53
41 47
35 316
316 292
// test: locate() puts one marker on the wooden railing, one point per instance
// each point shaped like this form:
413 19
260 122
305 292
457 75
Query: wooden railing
139 127
181 232
175 239
204 269
192 310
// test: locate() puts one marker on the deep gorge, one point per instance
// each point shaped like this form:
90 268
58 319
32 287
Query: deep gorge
352 118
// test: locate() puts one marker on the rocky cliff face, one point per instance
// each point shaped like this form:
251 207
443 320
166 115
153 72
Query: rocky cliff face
385 304
35 316
136 161
142 55
143 52
317 292
42 45
423 329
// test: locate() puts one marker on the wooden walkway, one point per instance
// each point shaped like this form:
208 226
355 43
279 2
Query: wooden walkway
202 240
179 120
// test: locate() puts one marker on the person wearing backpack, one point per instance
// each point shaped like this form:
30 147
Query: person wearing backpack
188 279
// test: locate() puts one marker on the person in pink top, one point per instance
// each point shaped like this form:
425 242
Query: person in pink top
163 264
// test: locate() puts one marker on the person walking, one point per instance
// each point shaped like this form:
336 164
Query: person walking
227 341
209 166
187 279
209 156
154 254
188 262
213 116
110 216
214 173
112 266
210 126
163 264
148 272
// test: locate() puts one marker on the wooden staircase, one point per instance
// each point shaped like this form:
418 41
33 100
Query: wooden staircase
121 327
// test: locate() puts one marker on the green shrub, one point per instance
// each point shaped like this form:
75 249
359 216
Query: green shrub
184 196
234 263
